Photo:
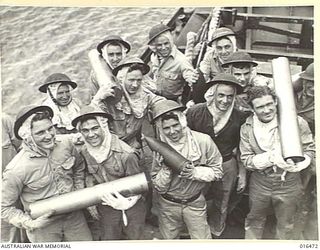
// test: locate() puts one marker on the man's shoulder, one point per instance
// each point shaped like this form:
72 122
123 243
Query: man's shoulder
195 109
120 146
20 163
248 122
240 115
200 136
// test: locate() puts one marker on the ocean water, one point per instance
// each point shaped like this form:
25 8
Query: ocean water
39 41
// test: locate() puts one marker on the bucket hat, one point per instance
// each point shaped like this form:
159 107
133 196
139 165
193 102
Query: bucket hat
113 38
226 79
221 32
24 113
239 57
308 74
127 61
89 112
157 30
164 106
55 78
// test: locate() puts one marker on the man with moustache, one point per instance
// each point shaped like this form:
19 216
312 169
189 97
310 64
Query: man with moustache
47 166
274 182
108 158
170 68
181 198
221 121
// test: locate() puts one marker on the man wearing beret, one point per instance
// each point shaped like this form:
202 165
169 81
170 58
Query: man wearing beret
170 68
218 118
47 165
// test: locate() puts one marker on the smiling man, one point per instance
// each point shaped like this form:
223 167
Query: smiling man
181 197
58 88
48 165
243 68
108 158
274 182
169 67
112 50
130 112
221 46
221 121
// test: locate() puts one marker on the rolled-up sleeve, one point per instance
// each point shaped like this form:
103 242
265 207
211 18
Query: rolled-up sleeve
161 176
214 163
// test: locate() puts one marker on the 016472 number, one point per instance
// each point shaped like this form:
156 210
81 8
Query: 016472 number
309 245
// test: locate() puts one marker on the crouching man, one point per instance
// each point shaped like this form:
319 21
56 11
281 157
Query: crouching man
48 165
181 200
108 158
274 182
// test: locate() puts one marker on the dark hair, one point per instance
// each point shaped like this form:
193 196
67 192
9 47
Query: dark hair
41 116
259 91
169 115
135 66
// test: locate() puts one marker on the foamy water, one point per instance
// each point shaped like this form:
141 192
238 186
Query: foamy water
38 41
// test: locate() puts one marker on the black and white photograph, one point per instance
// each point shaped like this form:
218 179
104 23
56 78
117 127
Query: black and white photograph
155 123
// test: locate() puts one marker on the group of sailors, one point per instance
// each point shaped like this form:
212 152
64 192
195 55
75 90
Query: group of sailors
231 140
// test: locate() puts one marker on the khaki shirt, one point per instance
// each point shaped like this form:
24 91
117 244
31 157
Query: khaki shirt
31 176
165 181
170 75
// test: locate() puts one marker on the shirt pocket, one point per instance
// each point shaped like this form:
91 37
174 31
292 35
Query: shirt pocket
68 164
114 167
40 183
171 76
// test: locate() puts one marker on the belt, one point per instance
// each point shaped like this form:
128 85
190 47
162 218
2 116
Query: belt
181 201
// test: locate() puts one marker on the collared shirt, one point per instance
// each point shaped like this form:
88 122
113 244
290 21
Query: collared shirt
210 66
249 147
127 126
171 73
200 119
121 162
165 181
32 177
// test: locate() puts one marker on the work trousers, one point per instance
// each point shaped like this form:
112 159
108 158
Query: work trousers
173 216
112 225
9 233
71 227
218 197
269 191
